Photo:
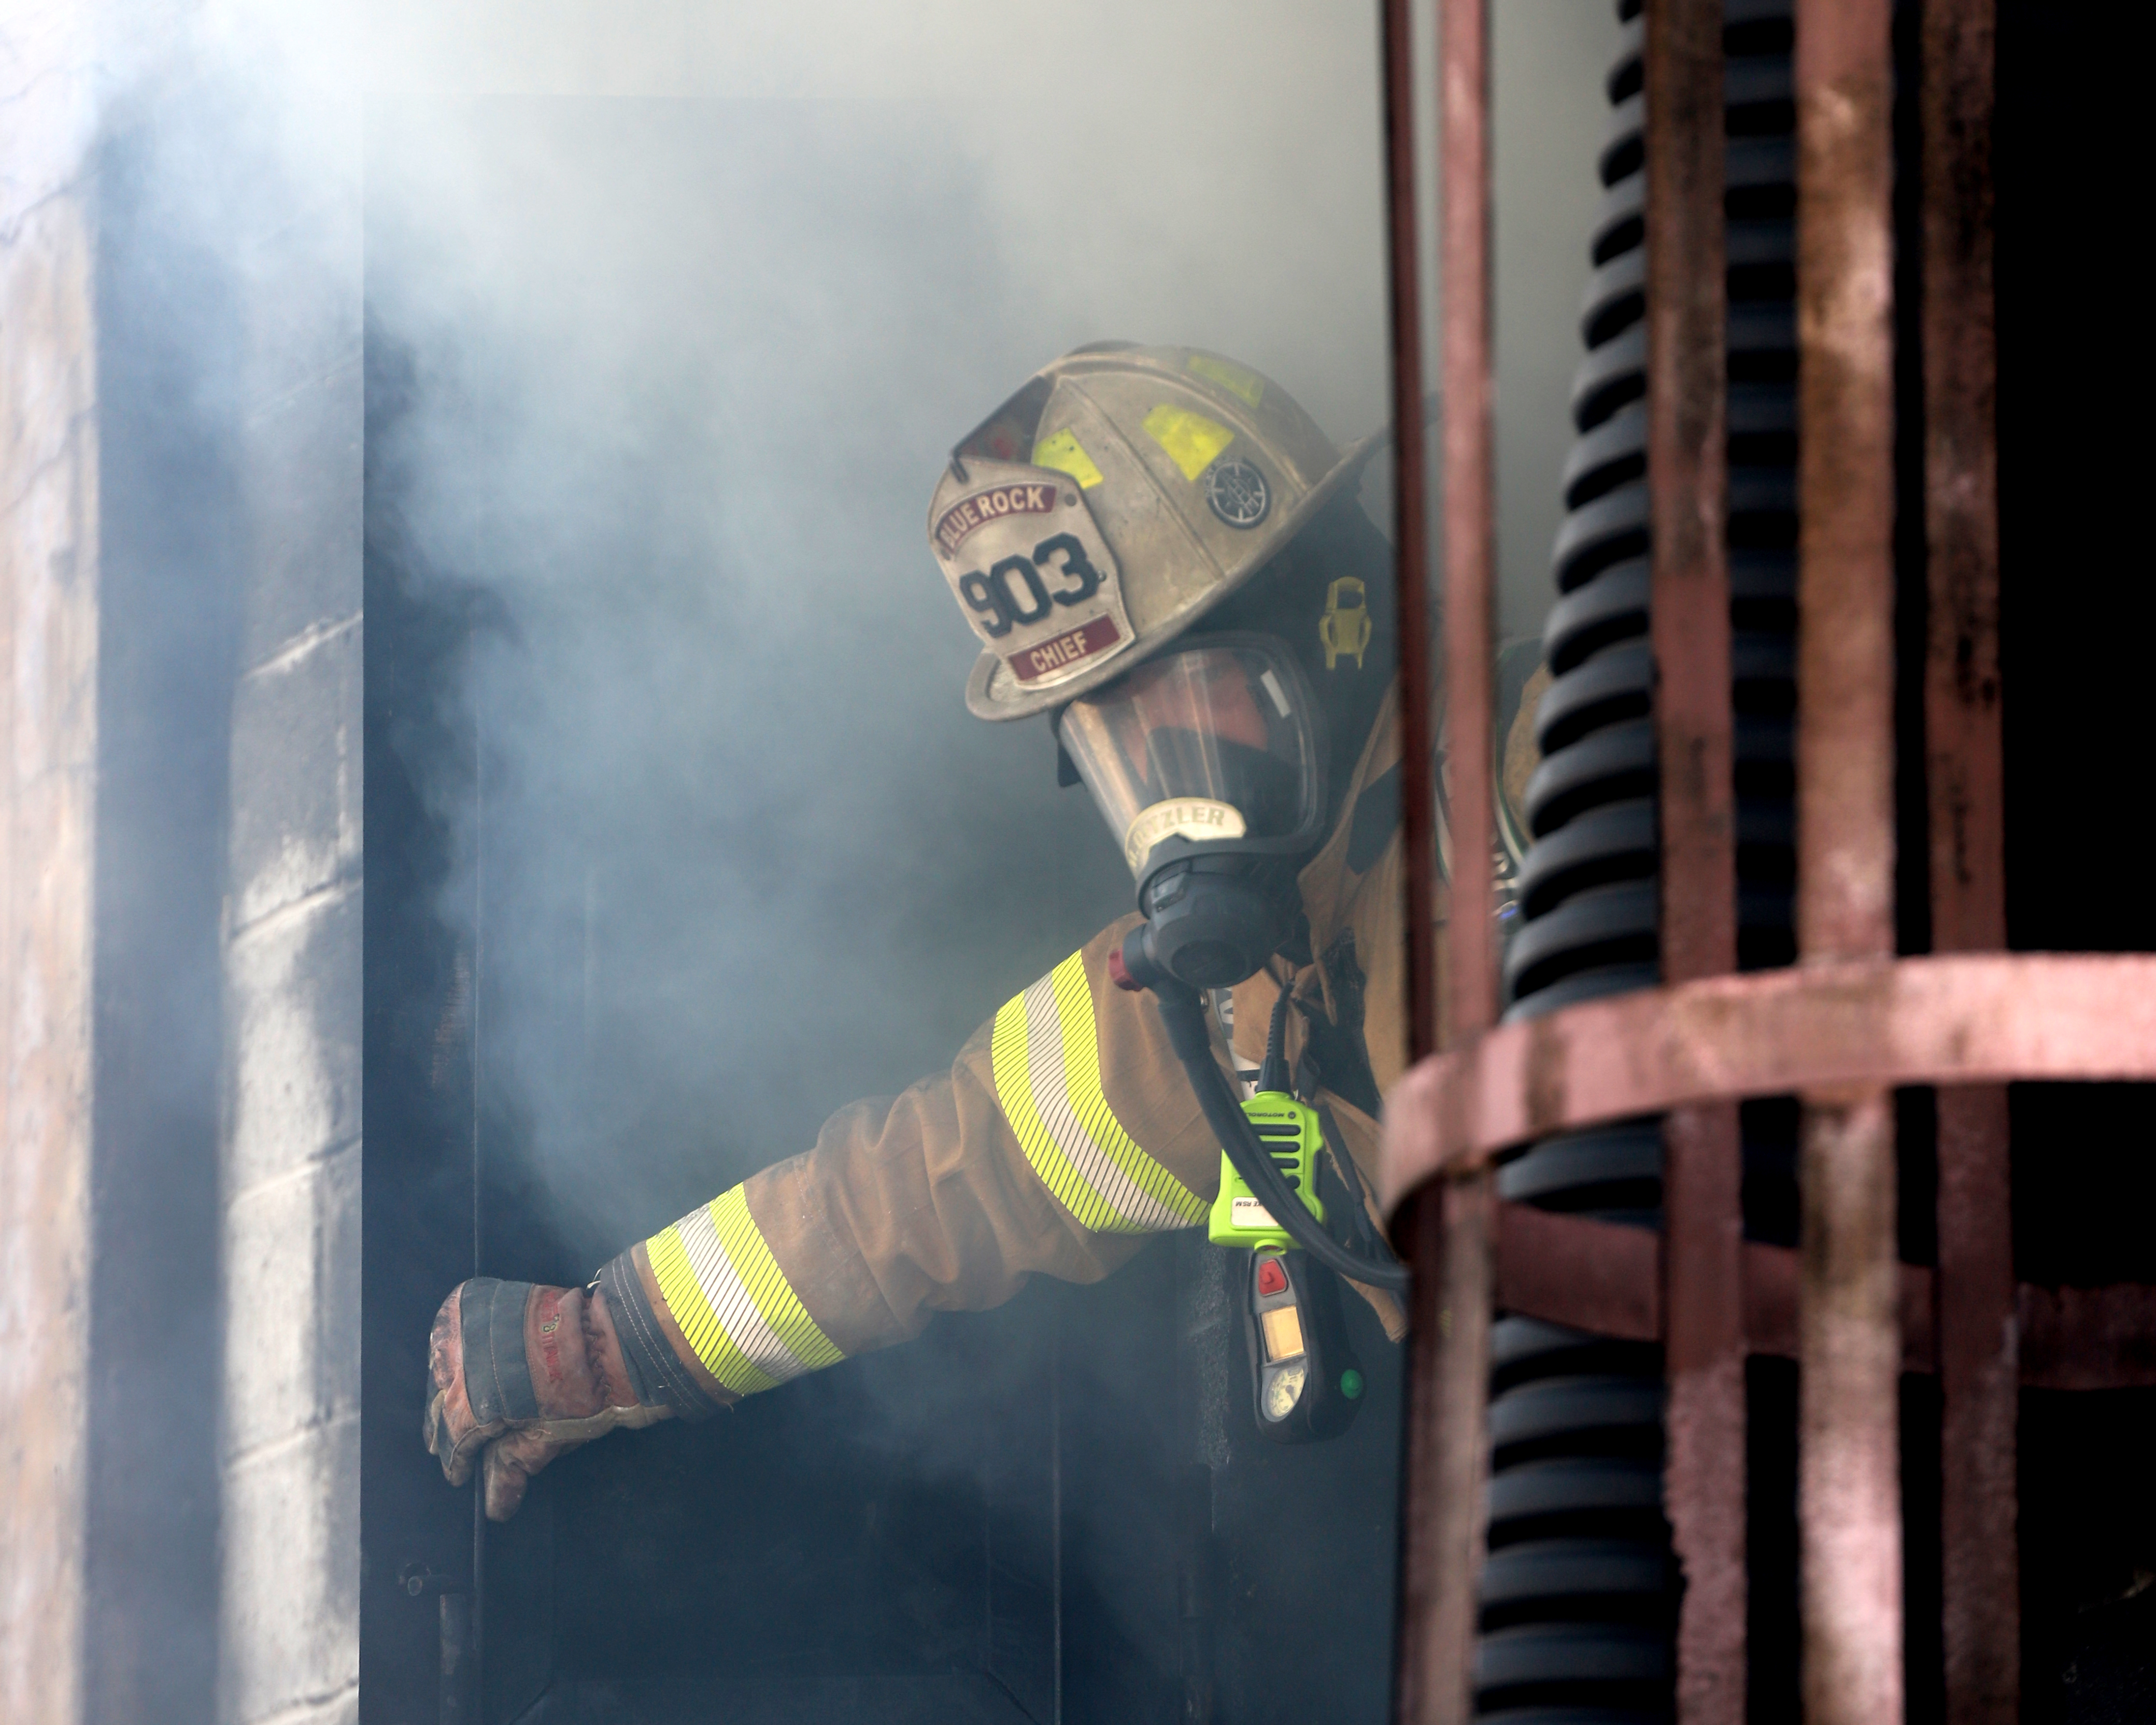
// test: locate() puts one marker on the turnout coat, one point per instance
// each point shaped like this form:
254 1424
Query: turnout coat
1063 1135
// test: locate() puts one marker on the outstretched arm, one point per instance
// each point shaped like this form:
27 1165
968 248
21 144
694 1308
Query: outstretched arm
1062 1133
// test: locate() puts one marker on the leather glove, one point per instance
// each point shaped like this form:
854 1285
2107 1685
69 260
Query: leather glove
517 1375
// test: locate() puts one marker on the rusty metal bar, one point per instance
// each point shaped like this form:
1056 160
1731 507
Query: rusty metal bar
1849 1462
1979 1367
1849 1359
1602 1277
1470 478
1688 489
1450 1235
1424 1534
1469 1004
2086 1338
1606 1278
1951 1019
1961 484
1845 481
1773 1279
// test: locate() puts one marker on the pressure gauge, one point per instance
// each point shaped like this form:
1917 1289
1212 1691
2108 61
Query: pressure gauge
1284 1388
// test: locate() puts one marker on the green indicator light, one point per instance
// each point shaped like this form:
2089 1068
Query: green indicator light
1351 1384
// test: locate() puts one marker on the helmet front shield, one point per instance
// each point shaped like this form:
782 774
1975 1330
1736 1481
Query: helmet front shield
1030 570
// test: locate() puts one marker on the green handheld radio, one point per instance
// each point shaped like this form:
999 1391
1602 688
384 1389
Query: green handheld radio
1290 1131
1305 1382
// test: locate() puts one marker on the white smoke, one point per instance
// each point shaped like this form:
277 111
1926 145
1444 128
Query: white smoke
688 363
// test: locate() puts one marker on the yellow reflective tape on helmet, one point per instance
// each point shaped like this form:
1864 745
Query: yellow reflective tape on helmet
1191 439
732 1301
1230 376
1046 1057
1065 454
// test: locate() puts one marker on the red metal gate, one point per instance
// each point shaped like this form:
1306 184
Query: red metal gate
1847 1024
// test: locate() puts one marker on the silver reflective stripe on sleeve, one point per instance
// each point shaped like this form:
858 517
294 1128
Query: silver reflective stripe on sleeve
732 1299
1047 1060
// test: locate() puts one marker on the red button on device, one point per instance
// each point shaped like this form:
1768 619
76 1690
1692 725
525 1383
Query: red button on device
1272 1278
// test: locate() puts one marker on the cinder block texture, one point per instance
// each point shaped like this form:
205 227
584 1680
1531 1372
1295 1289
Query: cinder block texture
299 269
342 1708
295 776
290 1646
289 1649
291 1281
290 1640
301 475
301 398
294 1039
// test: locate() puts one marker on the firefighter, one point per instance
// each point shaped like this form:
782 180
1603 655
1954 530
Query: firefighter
1159 550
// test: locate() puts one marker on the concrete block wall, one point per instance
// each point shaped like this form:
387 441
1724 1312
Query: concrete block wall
181 652
49 475
288 1651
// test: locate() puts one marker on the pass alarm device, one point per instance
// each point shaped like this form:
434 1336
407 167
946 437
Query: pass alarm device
1306 1381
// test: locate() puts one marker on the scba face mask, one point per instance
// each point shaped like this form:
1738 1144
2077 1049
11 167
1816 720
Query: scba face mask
1207 762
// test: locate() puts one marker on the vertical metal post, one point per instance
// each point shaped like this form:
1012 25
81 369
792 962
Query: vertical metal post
1470 1001
1849 1335
456 1697
1451 1232
1411 532
1688 487
1422 1488
1978 1351
1469 1006
1448 1239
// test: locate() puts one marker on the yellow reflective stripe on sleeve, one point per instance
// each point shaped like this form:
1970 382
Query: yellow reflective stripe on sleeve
1191 439
732 1300
685 1298
787 1318
1082 1067
1047 1060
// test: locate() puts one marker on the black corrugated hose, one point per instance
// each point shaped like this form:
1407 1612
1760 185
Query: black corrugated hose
1579 1593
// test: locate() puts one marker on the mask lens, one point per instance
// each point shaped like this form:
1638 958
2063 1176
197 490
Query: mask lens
1215 742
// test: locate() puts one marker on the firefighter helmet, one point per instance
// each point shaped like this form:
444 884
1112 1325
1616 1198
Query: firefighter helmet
1113 501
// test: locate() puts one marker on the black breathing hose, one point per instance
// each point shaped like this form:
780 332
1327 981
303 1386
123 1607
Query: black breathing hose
1185 1020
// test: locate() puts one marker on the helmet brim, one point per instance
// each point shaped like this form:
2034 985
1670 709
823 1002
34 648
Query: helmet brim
989 696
